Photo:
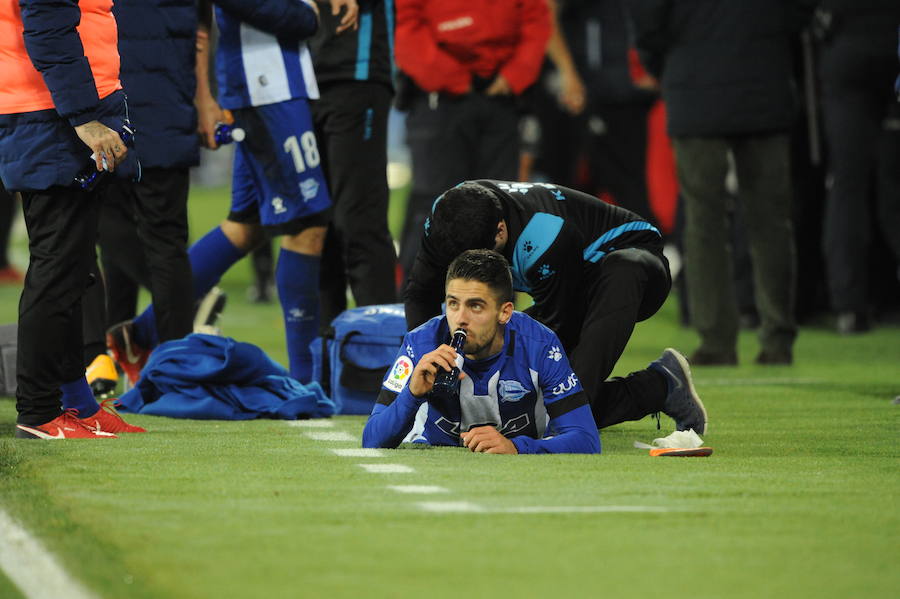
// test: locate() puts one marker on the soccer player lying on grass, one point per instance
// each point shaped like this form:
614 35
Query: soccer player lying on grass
516 387
593 269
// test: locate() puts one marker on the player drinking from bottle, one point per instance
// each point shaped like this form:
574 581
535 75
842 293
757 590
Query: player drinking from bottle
516 386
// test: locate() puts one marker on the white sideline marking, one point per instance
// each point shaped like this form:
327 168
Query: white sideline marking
466 506
386 468
359 453
447 507
31 568
756 382
418 489
319 423
331 436
580 509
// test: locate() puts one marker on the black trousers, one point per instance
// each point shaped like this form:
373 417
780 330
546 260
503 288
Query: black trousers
143 240
351 129
454 139
624 288
62 230
7 213
864 158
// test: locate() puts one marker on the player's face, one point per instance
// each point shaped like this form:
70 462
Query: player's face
473 307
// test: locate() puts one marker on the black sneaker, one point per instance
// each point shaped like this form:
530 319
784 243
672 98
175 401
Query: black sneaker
682 404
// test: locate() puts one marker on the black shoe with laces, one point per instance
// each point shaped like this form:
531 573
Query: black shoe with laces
682 403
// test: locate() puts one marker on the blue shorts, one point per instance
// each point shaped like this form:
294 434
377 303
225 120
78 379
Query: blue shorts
277 179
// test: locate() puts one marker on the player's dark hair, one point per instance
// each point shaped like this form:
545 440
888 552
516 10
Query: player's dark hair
485 266
464 218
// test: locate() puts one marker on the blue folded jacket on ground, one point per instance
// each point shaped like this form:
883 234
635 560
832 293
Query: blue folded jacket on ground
205 377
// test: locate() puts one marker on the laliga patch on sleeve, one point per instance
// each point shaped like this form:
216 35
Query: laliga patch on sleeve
399 374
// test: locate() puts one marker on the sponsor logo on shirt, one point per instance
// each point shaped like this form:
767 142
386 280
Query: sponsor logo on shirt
399 374
566 385
554 354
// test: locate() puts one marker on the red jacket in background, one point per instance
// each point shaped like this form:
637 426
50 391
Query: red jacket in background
442 44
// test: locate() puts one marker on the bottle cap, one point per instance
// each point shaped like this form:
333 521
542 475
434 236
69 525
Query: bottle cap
237 134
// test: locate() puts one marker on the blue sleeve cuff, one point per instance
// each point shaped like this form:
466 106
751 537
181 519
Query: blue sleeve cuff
388 425
576 432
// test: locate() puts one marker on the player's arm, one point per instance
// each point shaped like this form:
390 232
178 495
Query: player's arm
403 391
209 113
294 19
572 423
557 281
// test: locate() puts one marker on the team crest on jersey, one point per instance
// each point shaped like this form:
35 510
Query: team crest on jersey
510 391
399 374
278 205
309 188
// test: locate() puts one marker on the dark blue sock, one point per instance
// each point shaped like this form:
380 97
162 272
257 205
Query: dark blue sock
78 395
211 256
297 278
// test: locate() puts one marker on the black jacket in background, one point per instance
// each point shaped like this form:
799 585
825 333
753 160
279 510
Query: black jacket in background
554 233
157 46
725 66
362 55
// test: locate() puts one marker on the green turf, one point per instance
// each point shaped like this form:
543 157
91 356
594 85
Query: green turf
798 500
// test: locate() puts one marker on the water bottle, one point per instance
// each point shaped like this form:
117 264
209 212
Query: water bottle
446 384
225 134
88 179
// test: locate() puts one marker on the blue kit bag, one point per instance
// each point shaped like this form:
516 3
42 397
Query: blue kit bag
351 358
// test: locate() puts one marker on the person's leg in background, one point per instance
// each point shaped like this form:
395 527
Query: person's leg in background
440 159
618 155
352 130
287 191
161 208
62 228
702 164
853 120
494 140
262 264
8 204
764 192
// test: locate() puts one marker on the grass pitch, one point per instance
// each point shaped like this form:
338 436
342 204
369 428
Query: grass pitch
798 500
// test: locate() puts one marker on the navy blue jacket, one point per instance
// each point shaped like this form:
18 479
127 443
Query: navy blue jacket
157 41
40 149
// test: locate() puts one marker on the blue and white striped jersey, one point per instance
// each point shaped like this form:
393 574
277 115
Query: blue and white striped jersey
262 57
527 391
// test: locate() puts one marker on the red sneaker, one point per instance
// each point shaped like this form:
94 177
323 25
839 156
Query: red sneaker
11 275
65 426
129 355
107 420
